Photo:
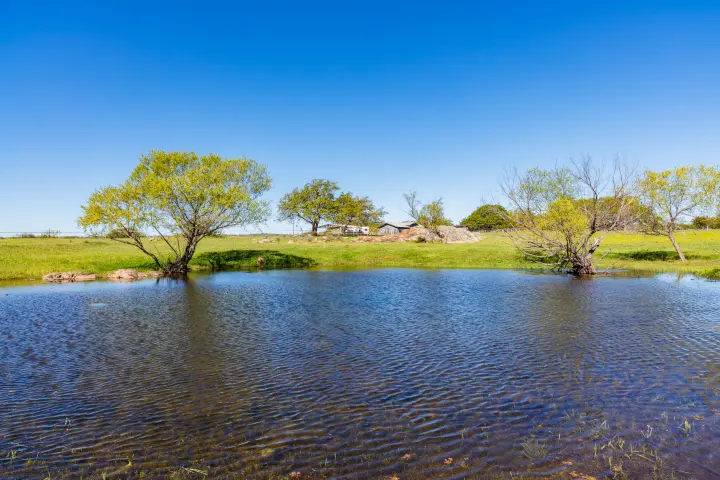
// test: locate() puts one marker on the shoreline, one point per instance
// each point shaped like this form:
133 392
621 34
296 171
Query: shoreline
27 260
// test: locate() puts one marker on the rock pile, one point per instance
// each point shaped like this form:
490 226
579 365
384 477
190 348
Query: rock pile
68 277
131 274
124 274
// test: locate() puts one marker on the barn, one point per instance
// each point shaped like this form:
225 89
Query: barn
393 228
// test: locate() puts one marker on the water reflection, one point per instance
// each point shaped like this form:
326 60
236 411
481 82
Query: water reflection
414 373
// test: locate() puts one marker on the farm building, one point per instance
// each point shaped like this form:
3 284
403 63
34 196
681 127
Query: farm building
388 228
346 229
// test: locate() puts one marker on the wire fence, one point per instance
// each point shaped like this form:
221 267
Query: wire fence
60 234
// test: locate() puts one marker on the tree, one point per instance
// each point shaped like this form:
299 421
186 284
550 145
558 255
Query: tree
706 223
317 201
182 198
413 205
674 195
432 216
562 215
313 203
487 217
352 210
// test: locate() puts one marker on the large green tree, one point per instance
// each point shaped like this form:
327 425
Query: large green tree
318 201
313 203
181 198
676 195
352 210
487 217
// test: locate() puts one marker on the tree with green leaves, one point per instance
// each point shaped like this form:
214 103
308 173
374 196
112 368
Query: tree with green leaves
562 215
313 203
318 201
432 216
676 195
182 198
352 210
487 217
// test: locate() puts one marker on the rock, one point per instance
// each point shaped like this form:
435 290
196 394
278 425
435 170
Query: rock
124 274
155 274
69 277
265 240
83 277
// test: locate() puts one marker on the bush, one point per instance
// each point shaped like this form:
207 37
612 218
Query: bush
50 234
706 222
487 217
120 233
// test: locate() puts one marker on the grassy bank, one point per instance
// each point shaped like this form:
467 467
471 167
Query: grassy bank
31 258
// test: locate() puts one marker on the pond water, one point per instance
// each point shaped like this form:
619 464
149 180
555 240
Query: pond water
362 374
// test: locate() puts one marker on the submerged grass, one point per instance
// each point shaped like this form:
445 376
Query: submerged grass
30 258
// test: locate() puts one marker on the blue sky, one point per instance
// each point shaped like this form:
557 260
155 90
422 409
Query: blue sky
382 97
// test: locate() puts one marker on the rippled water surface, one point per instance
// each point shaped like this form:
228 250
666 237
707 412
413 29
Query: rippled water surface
363 374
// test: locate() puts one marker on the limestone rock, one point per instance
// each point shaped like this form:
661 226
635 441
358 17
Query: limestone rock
124 274
82 277
68 277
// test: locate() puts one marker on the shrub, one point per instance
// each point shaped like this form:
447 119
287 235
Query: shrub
487 217
706 222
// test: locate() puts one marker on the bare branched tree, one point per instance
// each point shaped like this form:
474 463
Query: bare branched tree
562 215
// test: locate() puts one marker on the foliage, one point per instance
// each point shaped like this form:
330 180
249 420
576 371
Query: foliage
675 195
487 217
706 222
413 206
183 198
317 201
120 233
49 233
313 203
432 216
352 210
563 214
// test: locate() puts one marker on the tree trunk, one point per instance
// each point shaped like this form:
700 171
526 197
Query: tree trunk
315 228
583 266
180 266
677 247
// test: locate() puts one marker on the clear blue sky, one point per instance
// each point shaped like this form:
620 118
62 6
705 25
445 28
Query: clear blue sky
381 96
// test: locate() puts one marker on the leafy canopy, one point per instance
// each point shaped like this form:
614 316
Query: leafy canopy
182 198
318 201
674 195
563 214
352 210
487 217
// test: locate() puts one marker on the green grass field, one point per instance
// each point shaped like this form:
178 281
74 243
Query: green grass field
27 259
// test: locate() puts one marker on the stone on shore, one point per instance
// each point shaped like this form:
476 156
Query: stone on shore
68 277
124 274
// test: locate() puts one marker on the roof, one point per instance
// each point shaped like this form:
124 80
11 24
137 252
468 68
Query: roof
406 224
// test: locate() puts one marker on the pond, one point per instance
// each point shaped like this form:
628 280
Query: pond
362 374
